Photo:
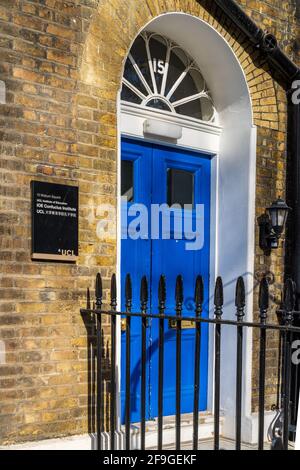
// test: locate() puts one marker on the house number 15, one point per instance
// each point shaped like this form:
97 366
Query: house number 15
159 66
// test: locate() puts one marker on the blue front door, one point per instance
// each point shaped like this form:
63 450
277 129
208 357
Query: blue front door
153 175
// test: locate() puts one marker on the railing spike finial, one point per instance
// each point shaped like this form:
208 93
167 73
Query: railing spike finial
128 289
289 295
199 291
219 293
88 299
144 290
240 299
113 291
162 291
179 290
264 295
240 293
289 301
98 290
98 287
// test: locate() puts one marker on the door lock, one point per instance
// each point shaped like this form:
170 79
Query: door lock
123 324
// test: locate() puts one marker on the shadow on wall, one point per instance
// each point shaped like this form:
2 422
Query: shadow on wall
90 325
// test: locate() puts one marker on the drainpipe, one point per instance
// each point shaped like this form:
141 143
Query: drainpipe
289 72
293 194
264 41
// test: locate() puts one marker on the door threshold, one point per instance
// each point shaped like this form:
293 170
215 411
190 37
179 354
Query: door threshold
205 431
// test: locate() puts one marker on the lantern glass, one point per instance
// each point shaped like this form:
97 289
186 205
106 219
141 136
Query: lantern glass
278 213
281 217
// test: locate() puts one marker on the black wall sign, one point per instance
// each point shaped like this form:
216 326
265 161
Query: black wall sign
54 221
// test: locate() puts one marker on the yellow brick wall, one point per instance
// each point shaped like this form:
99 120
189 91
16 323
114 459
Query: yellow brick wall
62 63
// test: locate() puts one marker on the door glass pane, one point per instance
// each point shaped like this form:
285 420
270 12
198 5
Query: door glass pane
177 65
207 109
192 84
127 180
128 95
131 75
192 108
139 53
180 187
186 88
156 103
158 50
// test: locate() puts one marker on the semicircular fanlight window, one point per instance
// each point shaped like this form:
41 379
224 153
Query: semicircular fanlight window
161 75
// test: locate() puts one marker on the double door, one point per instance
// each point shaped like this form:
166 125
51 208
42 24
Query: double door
152 176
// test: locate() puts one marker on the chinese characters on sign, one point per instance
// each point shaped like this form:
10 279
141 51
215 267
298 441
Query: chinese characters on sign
54 221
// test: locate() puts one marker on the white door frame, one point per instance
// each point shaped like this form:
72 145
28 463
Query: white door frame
235 187
197 136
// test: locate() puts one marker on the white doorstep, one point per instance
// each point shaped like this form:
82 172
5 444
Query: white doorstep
88 442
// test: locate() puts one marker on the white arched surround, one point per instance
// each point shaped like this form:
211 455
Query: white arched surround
233 217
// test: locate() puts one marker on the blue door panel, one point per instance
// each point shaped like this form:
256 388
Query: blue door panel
169 257
135 259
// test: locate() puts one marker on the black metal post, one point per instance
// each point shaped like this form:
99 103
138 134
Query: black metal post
293 193
98 292
199 297
113 297
294 394
240 302
293 222
289 307
144 300
178 309
162 306
128 294
263 311
219 301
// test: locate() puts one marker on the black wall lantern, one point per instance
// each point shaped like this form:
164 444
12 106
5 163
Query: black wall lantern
272 225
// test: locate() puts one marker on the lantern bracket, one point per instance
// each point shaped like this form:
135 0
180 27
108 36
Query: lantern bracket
267 237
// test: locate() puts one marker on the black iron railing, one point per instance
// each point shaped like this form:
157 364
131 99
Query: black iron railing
285 329
295 383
